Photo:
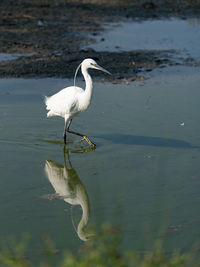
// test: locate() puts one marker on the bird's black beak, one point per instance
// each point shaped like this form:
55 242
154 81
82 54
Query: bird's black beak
96 66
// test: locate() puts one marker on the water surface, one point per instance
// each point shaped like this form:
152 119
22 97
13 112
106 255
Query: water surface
143 176
175 34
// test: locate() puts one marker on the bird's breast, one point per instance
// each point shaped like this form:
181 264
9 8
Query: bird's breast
84 103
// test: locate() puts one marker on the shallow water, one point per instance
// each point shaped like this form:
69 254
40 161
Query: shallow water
181 35
143 176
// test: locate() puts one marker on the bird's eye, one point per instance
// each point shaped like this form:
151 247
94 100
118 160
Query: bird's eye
93 64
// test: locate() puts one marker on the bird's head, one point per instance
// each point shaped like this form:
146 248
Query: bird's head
90 63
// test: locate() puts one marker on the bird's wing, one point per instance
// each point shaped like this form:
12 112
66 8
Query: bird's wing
65 101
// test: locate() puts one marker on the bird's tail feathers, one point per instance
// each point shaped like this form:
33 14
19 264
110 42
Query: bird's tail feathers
46 98
50 114
48 107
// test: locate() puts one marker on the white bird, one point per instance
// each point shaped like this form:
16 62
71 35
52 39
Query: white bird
72 100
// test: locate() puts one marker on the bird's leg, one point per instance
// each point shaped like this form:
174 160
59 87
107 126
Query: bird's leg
84 137
66 130
65 141
65 136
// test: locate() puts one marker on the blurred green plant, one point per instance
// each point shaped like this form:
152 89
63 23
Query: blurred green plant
103 250
13 253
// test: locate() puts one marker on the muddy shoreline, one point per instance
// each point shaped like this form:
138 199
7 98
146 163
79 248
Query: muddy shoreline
52 36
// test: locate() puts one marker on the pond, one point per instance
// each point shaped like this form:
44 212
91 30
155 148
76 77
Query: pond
144 175
182 35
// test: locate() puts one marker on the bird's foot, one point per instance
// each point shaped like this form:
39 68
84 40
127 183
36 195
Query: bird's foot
88 140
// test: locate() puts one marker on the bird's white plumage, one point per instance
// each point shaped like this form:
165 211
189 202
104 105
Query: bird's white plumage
65 102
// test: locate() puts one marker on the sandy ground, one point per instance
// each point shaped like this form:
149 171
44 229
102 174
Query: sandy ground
52 33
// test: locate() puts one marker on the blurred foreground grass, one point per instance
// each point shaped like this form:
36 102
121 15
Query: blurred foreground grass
102 250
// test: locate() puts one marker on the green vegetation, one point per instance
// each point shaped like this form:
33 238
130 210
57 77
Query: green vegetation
101 251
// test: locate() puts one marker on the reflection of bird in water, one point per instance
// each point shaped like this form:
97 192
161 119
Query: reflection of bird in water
72 100
69 187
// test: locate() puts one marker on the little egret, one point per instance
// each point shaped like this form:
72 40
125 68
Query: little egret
72 100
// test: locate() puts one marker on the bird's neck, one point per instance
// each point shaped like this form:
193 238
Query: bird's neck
88 83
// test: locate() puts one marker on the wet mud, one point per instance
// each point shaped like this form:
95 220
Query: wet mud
50 36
